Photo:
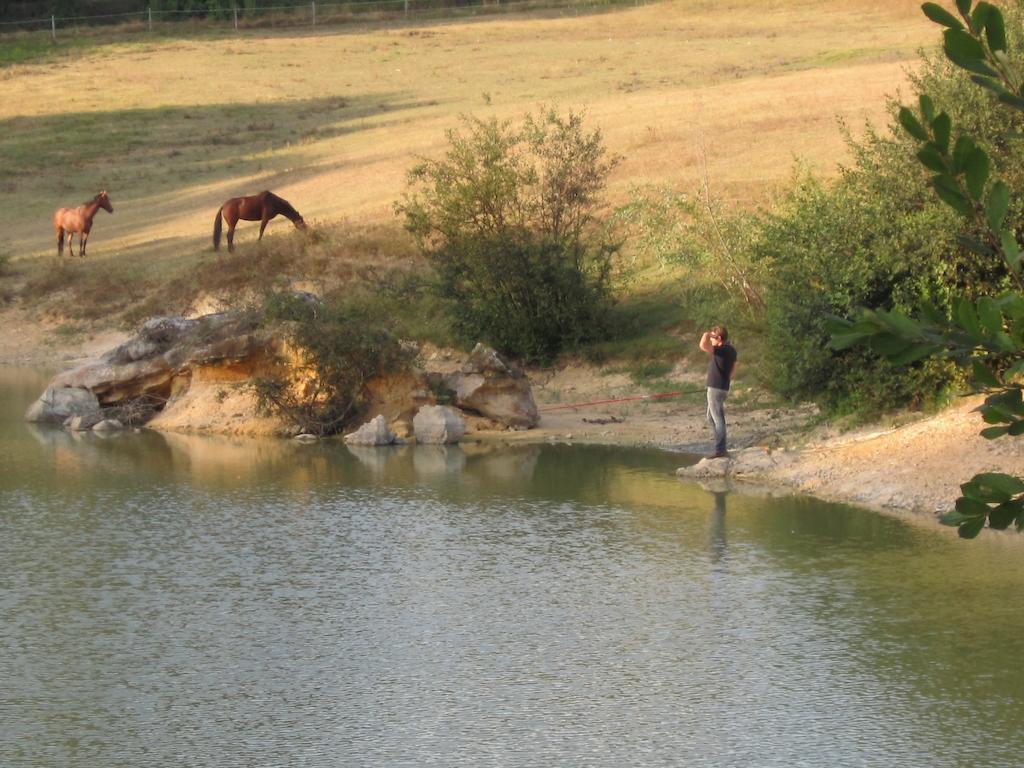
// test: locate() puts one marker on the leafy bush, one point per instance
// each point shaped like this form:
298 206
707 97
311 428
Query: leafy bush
342 349
877 237
508 217
985 336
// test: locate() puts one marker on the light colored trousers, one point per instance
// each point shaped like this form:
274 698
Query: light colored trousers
716 416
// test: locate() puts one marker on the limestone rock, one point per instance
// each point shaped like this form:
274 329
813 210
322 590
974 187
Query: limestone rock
749 463
108 425
58 403
373 432
159 368
490 386
438 424
161 359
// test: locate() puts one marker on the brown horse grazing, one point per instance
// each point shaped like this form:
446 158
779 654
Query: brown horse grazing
262 208
71 220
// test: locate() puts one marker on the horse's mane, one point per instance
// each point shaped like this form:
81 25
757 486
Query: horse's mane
93 199
285 207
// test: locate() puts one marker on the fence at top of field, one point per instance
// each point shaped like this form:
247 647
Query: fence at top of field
301 13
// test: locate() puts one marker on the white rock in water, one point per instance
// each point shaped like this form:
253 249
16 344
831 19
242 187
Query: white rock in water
373 432
438 424
58 403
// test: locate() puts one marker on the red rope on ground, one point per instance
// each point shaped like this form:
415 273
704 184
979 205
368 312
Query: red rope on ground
613 400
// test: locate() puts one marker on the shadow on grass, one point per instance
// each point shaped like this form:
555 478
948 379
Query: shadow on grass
175 147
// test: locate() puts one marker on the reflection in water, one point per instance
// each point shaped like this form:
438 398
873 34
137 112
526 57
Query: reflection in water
185 600
718 543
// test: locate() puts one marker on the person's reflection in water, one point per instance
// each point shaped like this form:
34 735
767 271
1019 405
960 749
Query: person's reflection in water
718 546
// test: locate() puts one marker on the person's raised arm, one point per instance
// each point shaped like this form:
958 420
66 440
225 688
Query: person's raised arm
705 342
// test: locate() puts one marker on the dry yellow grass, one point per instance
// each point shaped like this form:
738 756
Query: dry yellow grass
332 119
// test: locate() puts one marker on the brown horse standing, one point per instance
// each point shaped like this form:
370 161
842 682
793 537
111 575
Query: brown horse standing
262 208
71 220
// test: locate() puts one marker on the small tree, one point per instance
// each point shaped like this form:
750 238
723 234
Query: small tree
986 336
509 218
342 350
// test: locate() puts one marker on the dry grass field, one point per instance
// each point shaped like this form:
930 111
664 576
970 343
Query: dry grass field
332 119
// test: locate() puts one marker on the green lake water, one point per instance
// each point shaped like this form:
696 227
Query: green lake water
174 600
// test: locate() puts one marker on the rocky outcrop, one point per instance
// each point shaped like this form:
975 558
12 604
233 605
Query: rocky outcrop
373 432
160 361
176 373
489 385
438 424
180 374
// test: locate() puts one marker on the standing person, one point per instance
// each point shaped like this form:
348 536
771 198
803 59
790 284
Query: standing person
721 367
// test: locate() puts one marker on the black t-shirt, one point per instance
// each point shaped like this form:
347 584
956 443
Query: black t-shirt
722 360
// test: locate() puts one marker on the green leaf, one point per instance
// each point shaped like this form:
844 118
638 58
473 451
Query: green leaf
940 15
1011 250
1000 482
995 29
889 345
960 44
976 168
975 246
927 107
969 506
911 124
947 190
1011 100
899 324
964 6
989 315
982 374
997 204
966 317
1016 429
1009 398
961 151
1001 517
914 353
991 433
955 518
989 84
971 528
931 314
941 126
979 17
931 159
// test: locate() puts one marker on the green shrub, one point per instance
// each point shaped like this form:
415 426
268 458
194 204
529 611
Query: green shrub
877 237
508 218
343 350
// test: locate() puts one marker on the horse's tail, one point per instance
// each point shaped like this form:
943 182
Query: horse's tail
216 229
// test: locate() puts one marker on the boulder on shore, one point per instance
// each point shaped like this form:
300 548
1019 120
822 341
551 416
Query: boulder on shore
438 424
490 386
59 403
373 432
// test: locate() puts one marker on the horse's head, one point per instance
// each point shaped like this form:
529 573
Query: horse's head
104 202
300 223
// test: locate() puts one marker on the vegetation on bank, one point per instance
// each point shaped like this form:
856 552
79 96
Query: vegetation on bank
985 335
341 348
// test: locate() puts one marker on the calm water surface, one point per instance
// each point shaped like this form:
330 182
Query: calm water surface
185 601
